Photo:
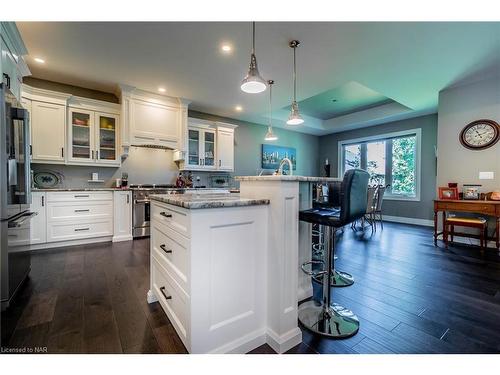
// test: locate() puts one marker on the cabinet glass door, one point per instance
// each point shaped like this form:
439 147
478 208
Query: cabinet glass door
193 147
80 135
209 149
107 137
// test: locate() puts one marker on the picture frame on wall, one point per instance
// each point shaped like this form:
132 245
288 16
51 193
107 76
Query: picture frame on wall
446 192
272 156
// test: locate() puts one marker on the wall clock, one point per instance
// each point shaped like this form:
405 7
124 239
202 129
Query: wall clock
480 134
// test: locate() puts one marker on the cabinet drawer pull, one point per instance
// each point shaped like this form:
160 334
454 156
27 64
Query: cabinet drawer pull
164 248
87 210
162 290
81 229
82 196
165 214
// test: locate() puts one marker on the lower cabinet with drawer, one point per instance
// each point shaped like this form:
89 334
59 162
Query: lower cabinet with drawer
74 217
208 274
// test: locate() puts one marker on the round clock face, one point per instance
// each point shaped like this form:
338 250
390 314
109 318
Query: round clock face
480 134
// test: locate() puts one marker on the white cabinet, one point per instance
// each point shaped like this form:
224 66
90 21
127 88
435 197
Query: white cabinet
225 149
122 206
48 135
92 138
79 215
210 146
152 120
193 255
201 148
38 225
12 64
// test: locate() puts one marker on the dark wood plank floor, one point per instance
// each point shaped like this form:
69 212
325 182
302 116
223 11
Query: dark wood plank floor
410 297
90 299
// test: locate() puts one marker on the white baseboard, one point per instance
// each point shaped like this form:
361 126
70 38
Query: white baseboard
151 297
409 220
243 344
53 245
122 238
285 342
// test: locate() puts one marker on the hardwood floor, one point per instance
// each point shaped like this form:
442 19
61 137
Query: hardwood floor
410 297
90 299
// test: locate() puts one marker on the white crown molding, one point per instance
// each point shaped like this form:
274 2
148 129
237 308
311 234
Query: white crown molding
94 104
34 93
138 94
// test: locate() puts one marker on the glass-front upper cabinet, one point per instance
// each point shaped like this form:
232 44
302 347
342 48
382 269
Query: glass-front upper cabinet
107 138
209 148
93 138
81 135
194 147
201 148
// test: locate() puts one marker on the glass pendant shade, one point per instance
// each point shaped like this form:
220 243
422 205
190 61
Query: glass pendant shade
270 136
253 83
295 118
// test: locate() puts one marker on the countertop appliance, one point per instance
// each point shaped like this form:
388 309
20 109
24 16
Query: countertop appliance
141 209
15 194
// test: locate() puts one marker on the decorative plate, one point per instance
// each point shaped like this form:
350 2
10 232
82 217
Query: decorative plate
46 179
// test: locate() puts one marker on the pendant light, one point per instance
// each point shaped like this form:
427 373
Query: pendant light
295 117
270 136
253 83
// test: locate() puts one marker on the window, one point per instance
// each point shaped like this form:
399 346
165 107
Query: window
391 159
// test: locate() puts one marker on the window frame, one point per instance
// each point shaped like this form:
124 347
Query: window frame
384 137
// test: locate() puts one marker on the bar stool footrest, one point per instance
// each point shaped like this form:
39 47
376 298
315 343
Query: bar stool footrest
311 272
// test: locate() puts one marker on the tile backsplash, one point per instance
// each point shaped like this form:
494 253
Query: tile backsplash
143 165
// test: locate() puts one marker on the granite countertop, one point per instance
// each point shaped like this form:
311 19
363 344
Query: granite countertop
288 178
79 189
199 201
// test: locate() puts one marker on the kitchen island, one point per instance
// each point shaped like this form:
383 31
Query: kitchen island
208 269
225 267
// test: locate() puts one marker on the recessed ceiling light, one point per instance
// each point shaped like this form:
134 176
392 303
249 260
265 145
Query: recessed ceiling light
238 108
162 89
39 60
226 48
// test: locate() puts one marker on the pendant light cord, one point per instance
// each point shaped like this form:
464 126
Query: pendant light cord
253 37
294 76
270 105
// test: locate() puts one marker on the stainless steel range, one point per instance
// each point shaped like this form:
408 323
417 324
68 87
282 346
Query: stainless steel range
141 205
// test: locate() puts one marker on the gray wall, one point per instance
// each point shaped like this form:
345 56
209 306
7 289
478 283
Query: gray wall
328 148
459 106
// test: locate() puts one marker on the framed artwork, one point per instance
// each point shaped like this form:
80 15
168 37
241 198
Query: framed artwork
272 156
448 193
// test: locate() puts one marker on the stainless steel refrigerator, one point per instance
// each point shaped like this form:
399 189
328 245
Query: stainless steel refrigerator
15 184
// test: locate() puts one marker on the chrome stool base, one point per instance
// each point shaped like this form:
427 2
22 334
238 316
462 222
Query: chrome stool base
335 322
338 279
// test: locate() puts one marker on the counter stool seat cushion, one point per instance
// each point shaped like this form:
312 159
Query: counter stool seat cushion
322 216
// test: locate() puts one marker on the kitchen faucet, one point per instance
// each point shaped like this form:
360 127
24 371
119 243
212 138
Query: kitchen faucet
282 163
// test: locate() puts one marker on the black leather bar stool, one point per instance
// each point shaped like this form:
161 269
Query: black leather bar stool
324 317
338 278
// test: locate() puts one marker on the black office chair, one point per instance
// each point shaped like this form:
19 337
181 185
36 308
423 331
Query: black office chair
323 317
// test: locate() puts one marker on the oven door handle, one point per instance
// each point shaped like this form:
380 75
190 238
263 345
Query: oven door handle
16 223
139 201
